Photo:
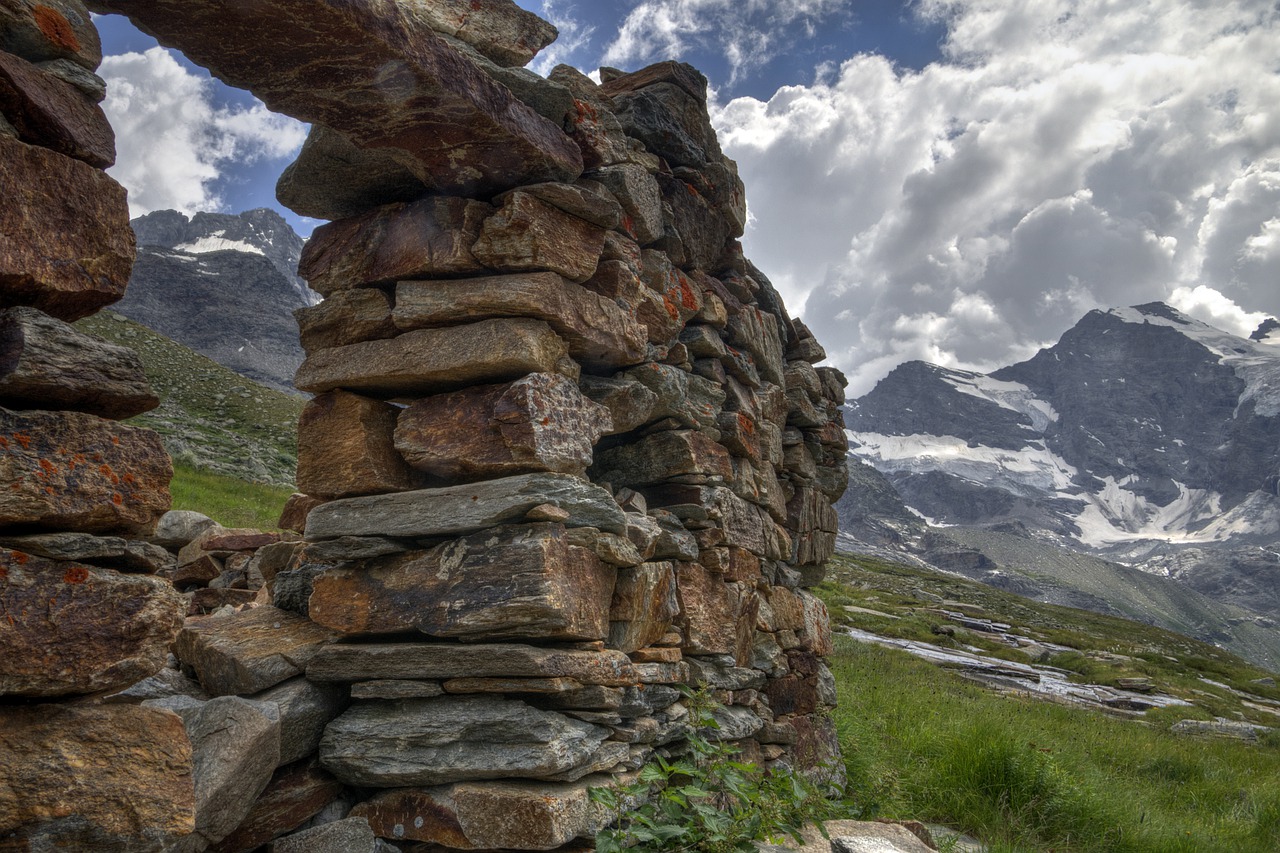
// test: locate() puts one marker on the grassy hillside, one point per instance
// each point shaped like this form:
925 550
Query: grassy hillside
1029 775
211 418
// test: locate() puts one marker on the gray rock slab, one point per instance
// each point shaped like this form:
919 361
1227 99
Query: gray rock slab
430 661
455 510
352 835
305 709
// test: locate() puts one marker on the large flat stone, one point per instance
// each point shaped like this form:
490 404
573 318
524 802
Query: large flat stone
372 661
115 777
718 618
662 456
80 629
487 815
600 335
499 29
345 448
429 361
507 583
453 739
50 30
425 238
251 650
53 114
539 423
333 178
346 317
528 235
457 510
48 364
376 72
65 242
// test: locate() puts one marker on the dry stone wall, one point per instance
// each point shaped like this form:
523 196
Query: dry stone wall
567 453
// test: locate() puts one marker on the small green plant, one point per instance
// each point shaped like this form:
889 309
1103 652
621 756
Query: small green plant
705 800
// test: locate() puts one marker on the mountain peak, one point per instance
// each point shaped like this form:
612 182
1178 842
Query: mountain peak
1268 332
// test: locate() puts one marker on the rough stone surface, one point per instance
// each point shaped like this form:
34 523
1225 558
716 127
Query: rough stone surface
345 448
486 815
47 30
368 661
80 629
48 364
115 777
456 510
333 178
538 423
640 197
65 242
662 456
251 650
644 606
387 81
528 235
109 552
179 527
453 739
351 835
295 793
506 583
498 29
305 709
50 113
432 360
599 334
346 317
425 238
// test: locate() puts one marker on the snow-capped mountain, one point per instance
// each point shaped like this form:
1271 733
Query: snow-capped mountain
224 285
1140 432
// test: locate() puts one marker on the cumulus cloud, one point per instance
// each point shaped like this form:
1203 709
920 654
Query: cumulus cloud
749 32
173 144
574 35
1063 155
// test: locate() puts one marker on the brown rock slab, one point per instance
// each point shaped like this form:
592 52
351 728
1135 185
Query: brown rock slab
78 629
115 777
507 583
386 80
429 361
456 510
716 617
346 317
345 448
53 114
538 423
528 235
295 793
49 30
65 242
333 178
487 815
629 402
643 607
48 364
379 661
296 510
539 686
661 456
587 200
599 334
499 29
251 650
425 238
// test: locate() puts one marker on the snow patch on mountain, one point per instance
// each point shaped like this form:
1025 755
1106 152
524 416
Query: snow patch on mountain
1115 514
216 242
1013 396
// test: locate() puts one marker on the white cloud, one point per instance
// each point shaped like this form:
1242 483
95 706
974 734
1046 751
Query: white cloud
1064 155
748 32
1210 306
172 143
573 36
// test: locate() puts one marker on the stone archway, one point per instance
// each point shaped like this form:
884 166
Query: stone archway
568 450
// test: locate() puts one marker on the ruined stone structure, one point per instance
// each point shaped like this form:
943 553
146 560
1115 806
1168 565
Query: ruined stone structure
567 452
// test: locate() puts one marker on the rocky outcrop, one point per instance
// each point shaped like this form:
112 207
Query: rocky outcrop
569 453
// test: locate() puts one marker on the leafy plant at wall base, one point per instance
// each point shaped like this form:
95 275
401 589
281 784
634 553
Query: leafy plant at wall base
707 801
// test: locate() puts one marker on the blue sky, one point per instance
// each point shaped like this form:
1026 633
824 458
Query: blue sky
950 180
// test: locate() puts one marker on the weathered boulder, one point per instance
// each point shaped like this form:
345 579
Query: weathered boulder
345 448
387 81
432 360
333 178
80 629
48 364
346 317
250 651
48 30
65 242
644 606
53 114
506 583
115 777
295 793
599 334
487 815
179 527
456 510
498 29
538 423
305 708
370 661
529 235
662 456
425 238
453 739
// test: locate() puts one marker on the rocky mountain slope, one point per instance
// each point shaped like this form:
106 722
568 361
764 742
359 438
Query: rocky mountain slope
1142 430
226 286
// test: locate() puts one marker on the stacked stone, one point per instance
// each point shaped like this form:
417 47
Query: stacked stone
82 610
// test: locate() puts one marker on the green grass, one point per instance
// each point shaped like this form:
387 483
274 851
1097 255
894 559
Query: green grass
1026 775
228 501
